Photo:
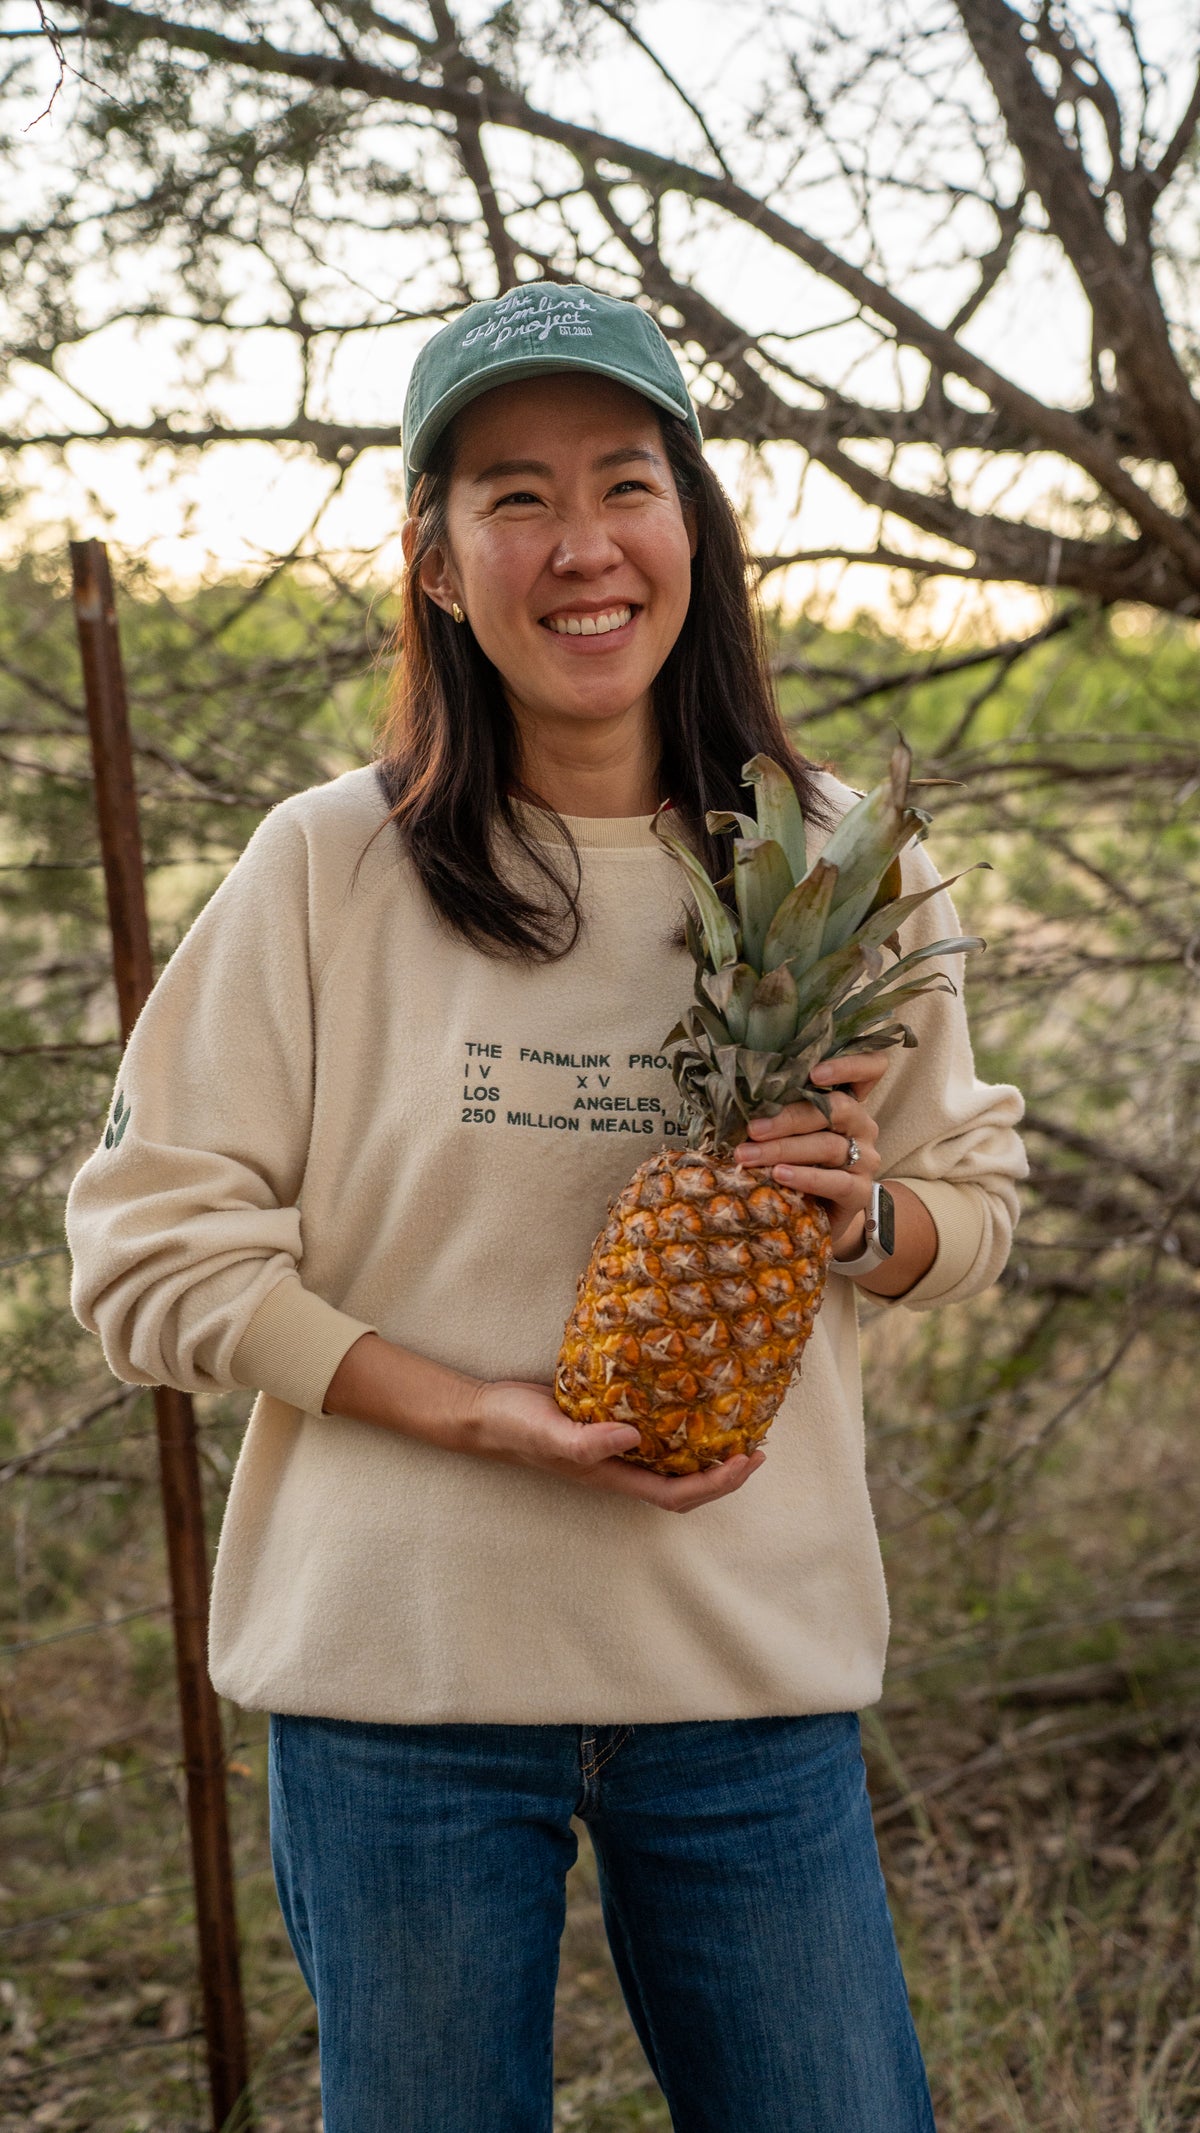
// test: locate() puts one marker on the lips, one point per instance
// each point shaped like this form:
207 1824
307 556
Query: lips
595 625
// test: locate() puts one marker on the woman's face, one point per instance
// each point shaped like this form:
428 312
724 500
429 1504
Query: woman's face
567 546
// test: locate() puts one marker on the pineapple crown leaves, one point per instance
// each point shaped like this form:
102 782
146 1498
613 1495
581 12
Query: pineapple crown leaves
799 975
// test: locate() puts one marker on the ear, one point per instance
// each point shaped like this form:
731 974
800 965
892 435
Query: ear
437 579
693 531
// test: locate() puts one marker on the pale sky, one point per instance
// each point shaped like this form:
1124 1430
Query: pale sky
232 506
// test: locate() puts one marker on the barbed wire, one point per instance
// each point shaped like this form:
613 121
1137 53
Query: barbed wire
50 1051
44 1251
168 1768
191 801
74 866
66 1432
208 1428
1155 1611
118 1903
84 1629
32 2074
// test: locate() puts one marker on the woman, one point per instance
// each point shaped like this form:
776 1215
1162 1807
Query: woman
375 1109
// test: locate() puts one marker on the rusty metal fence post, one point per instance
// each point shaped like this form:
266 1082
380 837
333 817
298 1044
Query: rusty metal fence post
179 1466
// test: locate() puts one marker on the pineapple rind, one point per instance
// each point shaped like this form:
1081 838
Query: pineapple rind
671 1328
699 1295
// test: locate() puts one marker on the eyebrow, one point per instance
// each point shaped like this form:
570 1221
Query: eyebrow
624 455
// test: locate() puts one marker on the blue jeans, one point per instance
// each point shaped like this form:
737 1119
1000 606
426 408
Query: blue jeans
421 1872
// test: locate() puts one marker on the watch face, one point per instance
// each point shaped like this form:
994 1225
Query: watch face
887 1221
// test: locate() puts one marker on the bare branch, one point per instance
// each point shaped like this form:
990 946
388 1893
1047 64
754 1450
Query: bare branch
459 72
54 40
1055 429
913 677
1177 147
614 13
1116 277
21 1461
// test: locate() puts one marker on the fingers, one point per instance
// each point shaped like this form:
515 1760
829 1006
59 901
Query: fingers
847 1189
803 1120
678 1492
792 1147
528 1428
596 1464
593 1442
793 1119
861 1072
774 1140
857 1076
779 1140
795 1164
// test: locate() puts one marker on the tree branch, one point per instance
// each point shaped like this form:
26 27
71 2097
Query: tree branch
915 677
1115 278
457 71
606 7
1055 429
1177 147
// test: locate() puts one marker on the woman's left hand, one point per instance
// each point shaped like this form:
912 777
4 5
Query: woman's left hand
801 1150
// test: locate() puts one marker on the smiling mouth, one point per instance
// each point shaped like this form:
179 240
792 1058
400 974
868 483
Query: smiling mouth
611 618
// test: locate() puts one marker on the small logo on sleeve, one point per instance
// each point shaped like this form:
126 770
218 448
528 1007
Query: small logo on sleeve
120 1119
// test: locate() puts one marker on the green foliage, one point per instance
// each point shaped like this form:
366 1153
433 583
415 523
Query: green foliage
238 696
1029 1454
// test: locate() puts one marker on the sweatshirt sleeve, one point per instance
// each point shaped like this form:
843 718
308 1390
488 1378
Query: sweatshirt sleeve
947 1135
184 1225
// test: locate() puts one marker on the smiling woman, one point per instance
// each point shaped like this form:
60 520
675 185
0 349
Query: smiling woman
377 1106
545 502
574 573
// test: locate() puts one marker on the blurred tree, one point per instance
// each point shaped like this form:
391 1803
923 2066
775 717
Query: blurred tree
835 214
231 205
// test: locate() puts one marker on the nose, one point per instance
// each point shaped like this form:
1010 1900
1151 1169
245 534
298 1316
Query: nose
585 548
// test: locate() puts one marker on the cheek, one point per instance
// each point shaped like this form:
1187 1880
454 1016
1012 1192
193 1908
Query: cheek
669 569
497 575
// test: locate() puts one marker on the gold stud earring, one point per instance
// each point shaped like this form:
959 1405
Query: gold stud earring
457 612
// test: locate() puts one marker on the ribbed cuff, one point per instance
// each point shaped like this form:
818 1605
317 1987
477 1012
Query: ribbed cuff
293 1345
958 1217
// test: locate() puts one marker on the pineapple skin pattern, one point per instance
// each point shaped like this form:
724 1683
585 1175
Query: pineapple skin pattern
689 1323
705 1283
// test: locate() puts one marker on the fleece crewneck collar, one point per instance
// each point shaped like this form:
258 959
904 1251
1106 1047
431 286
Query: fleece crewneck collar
599 833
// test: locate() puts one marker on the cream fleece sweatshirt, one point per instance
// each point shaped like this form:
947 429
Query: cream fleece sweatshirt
333 1117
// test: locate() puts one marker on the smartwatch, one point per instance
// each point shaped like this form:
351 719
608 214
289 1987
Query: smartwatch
879 1235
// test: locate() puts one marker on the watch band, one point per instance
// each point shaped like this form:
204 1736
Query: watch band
874 1250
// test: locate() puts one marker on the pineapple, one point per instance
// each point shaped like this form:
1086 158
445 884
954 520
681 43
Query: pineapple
705 1282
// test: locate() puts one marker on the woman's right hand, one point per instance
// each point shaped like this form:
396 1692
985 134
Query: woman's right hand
395 1388
523 1425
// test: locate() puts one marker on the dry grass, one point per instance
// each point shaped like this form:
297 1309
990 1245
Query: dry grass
1033 1767
1048 1922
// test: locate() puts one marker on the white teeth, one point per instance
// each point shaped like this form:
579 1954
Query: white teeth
589 625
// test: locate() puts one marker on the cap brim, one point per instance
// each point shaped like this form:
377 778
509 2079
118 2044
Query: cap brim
416 455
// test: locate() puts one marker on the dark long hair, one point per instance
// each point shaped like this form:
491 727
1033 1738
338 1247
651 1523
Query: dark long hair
448 745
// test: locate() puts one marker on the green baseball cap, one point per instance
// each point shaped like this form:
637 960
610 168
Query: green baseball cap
538 327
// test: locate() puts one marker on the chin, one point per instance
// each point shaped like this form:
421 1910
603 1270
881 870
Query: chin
594 690
613 705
